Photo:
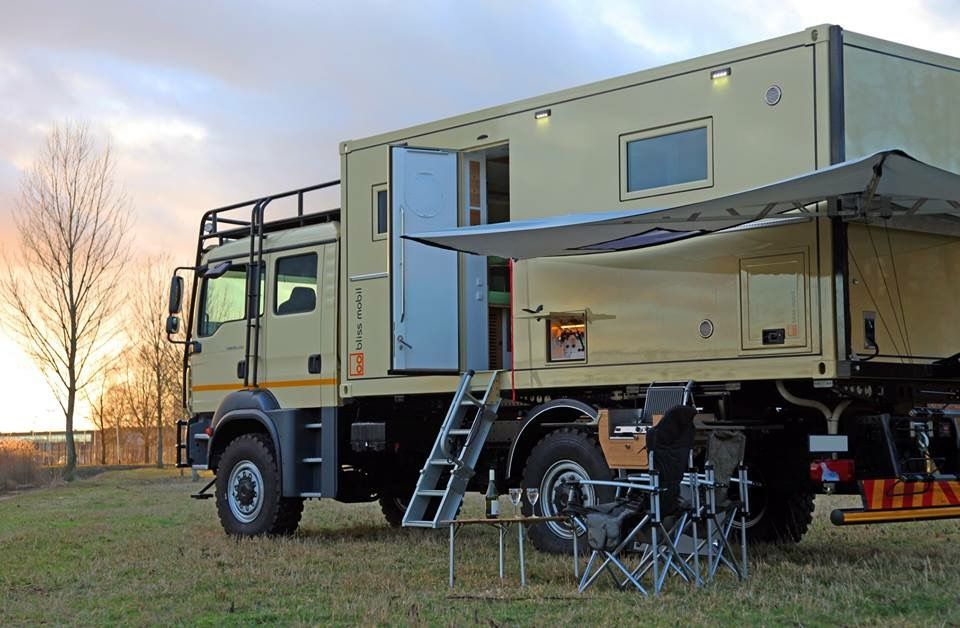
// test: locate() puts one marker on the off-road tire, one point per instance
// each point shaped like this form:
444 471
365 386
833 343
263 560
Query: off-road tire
782 506
393 505
571 448
276 514
291 510
785 518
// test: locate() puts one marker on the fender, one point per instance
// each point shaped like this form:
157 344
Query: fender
242 405
560 410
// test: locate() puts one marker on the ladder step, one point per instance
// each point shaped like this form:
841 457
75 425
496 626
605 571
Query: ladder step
313 495
452 462
313 426
312 460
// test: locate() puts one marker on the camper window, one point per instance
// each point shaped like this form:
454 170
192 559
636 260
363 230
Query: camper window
567 338
379 214
666 159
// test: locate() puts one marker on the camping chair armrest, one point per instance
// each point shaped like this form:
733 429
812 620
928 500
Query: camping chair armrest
647 487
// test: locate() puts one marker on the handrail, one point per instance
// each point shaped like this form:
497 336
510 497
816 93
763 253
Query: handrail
451 411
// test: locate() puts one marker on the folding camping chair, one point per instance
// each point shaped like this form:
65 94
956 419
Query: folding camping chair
724 467
649 514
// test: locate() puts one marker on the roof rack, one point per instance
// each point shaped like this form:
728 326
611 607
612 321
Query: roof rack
228 223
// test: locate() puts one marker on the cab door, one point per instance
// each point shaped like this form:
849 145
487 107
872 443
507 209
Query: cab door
299 348
217 361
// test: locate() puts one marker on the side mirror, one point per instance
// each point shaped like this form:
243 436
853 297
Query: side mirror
217 270
176 296
173 325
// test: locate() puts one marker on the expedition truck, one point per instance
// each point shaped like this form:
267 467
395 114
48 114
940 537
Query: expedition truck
334 353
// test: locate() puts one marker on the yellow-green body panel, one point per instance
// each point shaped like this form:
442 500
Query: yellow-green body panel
644 308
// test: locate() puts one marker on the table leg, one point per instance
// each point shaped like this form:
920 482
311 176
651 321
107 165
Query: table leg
523 572
503 531
452 533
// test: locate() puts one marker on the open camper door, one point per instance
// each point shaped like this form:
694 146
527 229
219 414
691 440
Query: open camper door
424 287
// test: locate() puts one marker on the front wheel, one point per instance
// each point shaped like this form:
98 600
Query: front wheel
249 499
561 456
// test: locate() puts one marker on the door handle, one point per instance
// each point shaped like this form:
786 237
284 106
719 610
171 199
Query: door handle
241 369
403 268
314 363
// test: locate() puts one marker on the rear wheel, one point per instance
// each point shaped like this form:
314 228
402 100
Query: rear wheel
249 500
560 456
393 505
779 516
781 507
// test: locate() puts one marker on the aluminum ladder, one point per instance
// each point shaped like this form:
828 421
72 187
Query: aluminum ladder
454 454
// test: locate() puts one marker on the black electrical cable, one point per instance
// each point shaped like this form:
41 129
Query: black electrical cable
886 287
866 286
896 282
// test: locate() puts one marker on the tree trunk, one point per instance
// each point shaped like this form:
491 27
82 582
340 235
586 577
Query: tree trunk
103 446
69 471
159 419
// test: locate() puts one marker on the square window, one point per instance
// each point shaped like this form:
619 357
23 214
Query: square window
223 299
381 219
667 159
567 338
295 289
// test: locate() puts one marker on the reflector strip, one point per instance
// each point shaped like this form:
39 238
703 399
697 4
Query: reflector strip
891 494
850 517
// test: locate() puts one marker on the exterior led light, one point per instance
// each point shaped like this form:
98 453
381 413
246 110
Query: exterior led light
719 74
540 115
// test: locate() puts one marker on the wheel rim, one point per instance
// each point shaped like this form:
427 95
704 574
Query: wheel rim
758 502
563 471
245 491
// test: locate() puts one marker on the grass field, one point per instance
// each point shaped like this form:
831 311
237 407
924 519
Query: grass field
130 547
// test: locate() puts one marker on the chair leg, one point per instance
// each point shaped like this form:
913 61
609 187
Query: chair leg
611 557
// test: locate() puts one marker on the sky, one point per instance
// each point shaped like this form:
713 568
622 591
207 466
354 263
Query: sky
208 103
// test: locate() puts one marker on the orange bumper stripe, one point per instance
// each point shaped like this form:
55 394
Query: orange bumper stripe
287 383
904 514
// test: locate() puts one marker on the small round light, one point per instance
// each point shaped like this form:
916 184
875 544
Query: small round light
773 95
706 328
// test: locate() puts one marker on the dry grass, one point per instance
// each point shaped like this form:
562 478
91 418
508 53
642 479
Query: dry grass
131 547
18 466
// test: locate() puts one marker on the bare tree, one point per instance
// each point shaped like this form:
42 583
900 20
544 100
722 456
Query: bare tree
107 407
72 222
137 392
156 356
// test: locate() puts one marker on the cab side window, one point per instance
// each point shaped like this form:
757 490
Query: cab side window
222 300
295 287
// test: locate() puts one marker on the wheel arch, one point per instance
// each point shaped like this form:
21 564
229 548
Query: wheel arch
243 412
534 427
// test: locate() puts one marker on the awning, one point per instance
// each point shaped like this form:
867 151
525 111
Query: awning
889 185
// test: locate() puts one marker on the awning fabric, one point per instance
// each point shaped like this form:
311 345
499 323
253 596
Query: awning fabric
886 185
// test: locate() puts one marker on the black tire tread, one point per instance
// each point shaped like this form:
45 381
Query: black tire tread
276 517
787 518
542 539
